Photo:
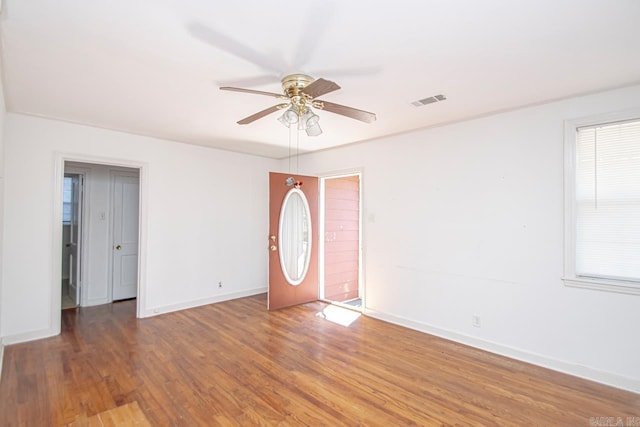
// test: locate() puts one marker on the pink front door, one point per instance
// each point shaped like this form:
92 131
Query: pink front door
281 292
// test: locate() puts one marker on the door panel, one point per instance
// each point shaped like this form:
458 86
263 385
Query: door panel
125 237
281 293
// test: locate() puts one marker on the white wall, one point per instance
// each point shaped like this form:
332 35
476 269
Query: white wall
467 219
3 112
206 219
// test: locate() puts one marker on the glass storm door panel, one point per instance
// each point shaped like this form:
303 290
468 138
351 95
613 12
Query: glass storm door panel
293 240
71 216
294 235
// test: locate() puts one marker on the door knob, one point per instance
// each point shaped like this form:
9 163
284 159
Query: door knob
273 248
272 237
118 247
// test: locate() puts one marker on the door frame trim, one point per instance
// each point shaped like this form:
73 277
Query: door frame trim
56 267
321 207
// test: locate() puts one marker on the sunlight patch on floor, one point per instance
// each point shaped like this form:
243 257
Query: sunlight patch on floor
339 315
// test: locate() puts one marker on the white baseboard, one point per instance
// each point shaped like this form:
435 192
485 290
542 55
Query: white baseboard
197 303
27 336
585 372
1 356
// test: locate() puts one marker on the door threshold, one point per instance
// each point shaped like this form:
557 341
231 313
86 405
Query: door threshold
345 304
123 300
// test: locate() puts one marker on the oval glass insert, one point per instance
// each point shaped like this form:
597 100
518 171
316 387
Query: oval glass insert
294 235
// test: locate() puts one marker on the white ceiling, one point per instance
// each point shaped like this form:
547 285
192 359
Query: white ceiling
153 67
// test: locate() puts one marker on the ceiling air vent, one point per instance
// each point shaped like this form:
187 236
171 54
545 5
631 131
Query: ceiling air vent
429 100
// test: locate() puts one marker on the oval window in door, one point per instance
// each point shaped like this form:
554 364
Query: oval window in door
294 236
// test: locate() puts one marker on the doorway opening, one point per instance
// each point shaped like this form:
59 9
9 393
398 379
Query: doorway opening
340 245
72 193
100 234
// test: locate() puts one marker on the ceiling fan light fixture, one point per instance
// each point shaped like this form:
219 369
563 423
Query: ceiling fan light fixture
312 120
301 92
289 117
313 127
308 122
314 130
304 116
283 120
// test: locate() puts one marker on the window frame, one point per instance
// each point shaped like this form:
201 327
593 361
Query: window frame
570 141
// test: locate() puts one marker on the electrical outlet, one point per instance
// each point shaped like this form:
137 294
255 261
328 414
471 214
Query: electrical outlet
475 320
220 284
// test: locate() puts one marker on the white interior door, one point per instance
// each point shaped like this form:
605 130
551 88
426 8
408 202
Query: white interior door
125 237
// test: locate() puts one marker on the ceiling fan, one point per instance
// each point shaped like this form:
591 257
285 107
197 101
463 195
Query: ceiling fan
300 92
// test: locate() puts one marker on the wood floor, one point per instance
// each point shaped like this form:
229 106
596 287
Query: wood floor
234 363
128 415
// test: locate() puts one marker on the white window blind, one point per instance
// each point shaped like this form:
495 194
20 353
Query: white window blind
67 195
607 201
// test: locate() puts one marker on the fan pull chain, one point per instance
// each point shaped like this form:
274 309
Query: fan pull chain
298 152
289 149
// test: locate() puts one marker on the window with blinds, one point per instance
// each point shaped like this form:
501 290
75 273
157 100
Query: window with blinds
606 205
67 199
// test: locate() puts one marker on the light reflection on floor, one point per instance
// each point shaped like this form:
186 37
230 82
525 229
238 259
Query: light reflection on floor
339 315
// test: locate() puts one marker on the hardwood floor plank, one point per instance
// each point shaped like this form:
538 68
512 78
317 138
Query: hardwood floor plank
235 363
128 415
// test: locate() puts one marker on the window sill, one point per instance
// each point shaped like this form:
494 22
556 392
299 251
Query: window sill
617 286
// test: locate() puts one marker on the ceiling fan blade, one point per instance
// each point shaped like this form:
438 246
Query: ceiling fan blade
234 47
353 113
320 87
256 92
260 114
313 34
